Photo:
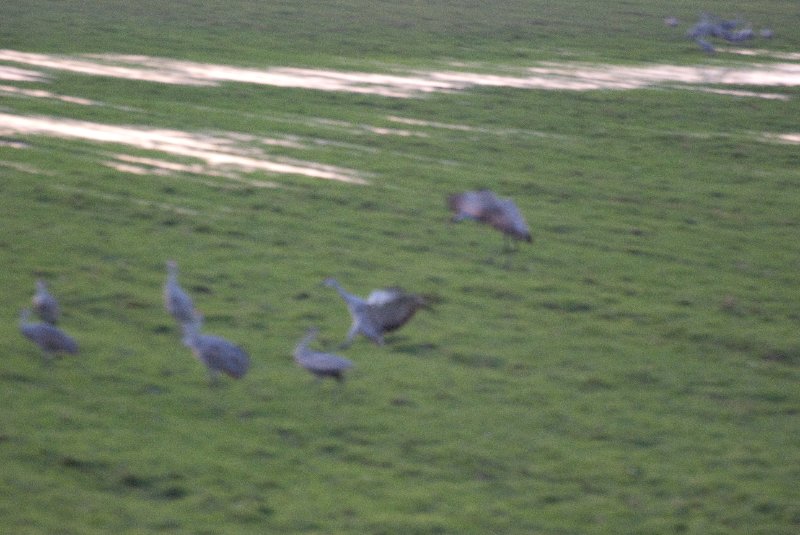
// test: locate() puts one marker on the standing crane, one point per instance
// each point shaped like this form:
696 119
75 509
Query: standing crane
318 363
216 353
50 339
44 304
385 310
485 207
176 301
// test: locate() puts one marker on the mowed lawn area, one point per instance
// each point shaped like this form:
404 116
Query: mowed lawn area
634 369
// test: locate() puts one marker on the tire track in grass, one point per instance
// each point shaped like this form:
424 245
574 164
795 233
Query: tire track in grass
574 76
218 152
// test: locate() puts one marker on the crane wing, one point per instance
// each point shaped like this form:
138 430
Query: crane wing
384 295
508 218
392 314
472 204
220 354
49 338
325 363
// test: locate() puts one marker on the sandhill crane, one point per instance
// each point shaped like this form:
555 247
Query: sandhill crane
385 310
44 304
216 353
176 301
711 26
736 36
318 363
50 339
707 47
485 207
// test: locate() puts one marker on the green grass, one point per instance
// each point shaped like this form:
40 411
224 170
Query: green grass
635 370
349 32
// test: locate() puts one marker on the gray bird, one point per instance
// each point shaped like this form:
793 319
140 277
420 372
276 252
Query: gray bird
385 310
216 353
318 363
707 47
50 339
736 36
485 207
711 26
707 26
176 301
44 304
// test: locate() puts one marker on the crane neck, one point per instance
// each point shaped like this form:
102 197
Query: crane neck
344 294
191 330
302 346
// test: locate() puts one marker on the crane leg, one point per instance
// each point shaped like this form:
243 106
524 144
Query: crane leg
213 378
351 335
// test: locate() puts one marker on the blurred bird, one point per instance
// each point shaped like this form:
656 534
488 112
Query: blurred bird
711 26
707 47
44 304
318 363
176 301
485 207
736 36
216 353
707 26
385 310
51 340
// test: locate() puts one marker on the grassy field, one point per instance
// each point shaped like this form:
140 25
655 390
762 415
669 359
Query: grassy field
634 370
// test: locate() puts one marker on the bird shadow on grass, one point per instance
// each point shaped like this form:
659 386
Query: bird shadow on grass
417 350
509 260
7 376
120 479
789 356
477 360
